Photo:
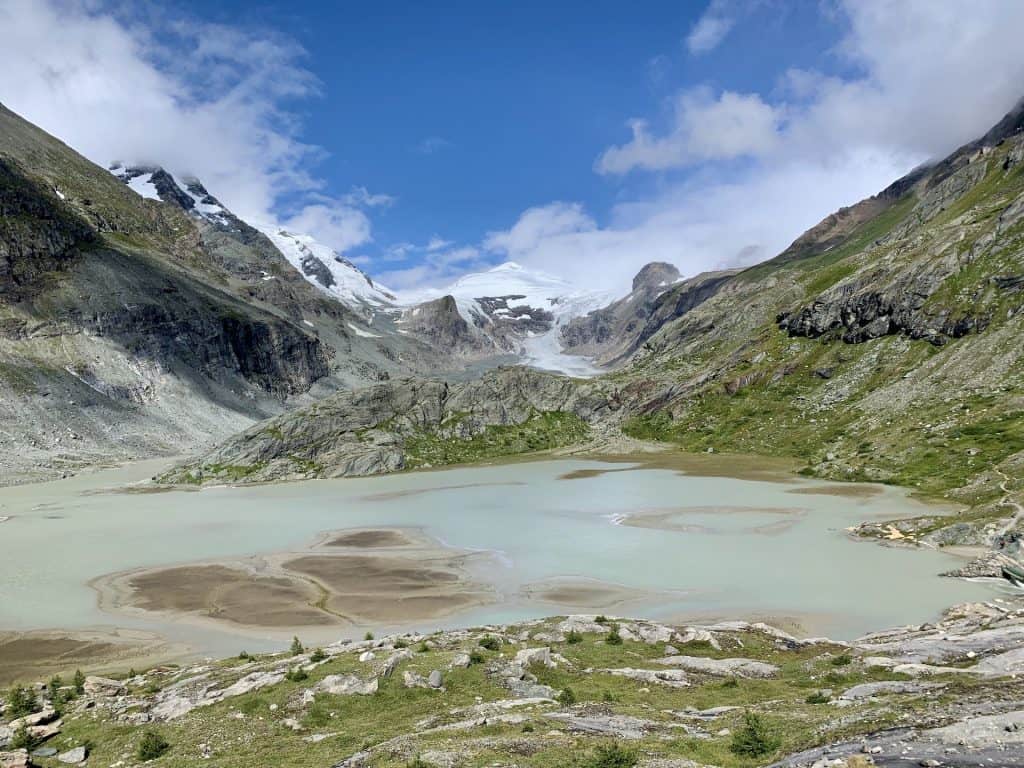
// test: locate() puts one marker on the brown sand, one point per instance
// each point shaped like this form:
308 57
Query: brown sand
371 539
389 589
327 584
38 654
229 594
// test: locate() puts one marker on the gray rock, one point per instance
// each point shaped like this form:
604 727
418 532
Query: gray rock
435 679
73 756
346 685
722 667
673 678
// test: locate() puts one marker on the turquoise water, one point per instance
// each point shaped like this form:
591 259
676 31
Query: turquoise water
733 548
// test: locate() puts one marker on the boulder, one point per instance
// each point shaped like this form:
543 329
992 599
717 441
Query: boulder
435 679
529 656
104 686
722 667
346 685
461 661
392 662
674 678
73 756
252 682
17 758
868 690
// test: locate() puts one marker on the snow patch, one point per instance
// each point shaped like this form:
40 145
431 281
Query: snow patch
143 185
351 285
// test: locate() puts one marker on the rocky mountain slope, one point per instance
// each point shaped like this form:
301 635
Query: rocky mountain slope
584 691
882 345
410 423
140 316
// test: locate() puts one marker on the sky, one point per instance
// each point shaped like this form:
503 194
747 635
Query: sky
585 139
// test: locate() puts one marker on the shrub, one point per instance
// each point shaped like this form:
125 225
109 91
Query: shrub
318 655
842 660
152 746
22 739
818 697
613 637
490 642
368 636
611 756
297 647
528 728
246 656
53 687
296 675
609 697
21 701
572 637
78 681
753 739
567 697
423 647
475 657
401 643
602 619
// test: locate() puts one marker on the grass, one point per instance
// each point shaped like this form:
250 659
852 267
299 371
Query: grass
250 730
542 431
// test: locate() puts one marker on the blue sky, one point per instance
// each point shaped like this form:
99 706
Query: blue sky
469 113
582 138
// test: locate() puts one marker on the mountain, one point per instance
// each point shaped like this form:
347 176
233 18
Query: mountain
139 316
882 345
329 270
509 310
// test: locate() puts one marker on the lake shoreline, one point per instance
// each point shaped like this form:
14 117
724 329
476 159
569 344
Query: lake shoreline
567 590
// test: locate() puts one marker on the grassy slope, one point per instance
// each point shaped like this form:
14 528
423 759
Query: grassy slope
937 419
250 730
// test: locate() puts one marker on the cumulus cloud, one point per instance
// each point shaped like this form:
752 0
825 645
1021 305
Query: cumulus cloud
201 99
705 127
740 175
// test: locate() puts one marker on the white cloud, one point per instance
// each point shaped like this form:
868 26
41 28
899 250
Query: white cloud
438 243
340 226
711 28
437 267
361 197
539 225
930 76
201 99
705 127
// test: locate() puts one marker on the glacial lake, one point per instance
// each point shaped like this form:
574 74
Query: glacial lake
665 544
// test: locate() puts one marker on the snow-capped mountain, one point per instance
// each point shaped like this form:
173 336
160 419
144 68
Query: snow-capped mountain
506 311
517 310
155 183
329 270
319 264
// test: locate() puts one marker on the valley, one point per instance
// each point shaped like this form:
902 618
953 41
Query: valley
220 436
